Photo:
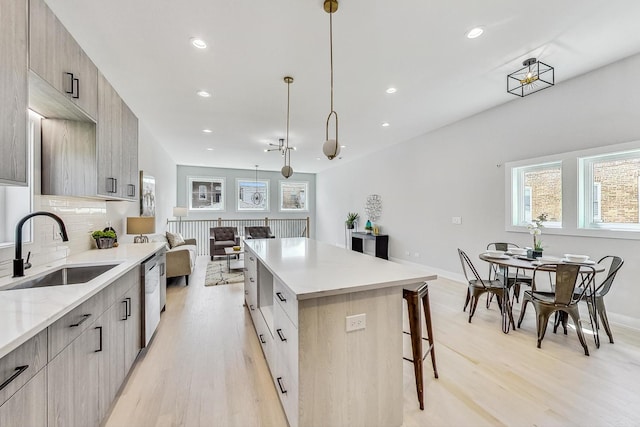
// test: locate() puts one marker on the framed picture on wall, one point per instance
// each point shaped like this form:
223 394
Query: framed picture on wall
294 196
252 195
206 193
147 195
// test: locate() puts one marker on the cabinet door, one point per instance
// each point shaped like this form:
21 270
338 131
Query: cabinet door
109 140
73 375
133 326
13 92
162 263
68 158
57 58
111 369
130 175
28 406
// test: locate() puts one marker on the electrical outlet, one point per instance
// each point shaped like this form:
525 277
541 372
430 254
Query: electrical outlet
416 254
456 220
356 322
407 253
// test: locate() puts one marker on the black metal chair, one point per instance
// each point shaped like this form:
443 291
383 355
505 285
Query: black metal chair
570 285
496 272
595 300
478 286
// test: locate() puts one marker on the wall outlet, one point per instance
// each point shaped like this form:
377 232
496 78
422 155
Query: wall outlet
356 322
416 254
456 220
407 253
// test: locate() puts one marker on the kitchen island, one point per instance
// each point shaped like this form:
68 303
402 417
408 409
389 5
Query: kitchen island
303 296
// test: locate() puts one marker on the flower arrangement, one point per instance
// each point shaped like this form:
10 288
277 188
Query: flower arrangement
535 229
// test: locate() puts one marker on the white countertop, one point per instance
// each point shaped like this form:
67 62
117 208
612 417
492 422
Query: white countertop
313 269
26 312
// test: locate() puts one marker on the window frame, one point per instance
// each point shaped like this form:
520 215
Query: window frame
518 192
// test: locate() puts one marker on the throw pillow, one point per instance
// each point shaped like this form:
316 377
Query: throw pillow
175 239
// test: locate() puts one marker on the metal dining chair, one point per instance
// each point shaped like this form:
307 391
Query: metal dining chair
595 299
478 286
496 272
571 283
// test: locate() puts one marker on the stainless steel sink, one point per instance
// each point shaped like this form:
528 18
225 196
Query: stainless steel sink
69 275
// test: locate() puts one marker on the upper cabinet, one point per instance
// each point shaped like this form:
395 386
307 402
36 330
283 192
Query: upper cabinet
63 75
13 92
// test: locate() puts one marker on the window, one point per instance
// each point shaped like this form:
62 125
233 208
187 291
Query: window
608 191
293 196
253 194
537 189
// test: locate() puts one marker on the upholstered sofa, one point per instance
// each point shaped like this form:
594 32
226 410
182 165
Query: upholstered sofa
181 259
220 238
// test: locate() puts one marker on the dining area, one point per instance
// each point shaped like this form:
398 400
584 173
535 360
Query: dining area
557 287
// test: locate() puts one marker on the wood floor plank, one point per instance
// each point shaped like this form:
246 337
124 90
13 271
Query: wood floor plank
205 368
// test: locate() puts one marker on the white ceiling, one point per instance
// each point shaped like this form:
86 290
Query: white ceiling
417 46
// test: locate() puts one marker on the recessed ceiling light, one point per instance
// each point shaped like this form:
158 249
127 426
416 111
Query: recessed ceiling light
203 93
385 125
199 43
207 130
343 146
317 158
475 32
209 149
391 90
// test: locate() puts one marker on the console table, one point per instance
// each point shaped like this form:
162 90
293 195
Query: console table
381 242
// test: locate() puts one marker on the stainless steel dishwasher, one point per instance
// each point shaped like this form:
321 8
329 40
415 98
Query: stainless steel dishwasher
151 279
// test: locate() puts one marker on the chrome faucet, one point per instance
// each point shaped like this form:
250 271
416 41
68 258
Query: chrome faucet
18 262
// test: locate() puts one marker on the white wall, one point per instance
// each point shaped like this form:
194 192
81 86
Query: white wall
453 172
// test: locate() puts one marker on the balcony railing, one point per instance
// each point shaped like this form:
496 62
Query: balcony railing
199 228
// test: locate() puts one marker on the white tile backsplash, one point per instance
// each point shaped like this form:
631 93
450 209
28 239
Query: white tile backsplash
81 217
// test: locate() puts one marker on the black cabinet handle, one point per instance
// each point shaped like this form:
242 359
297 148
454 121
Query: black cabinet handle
84 319
100 329
282 389
125 310
75 88
252 280
16 374
128 306
131 190
112 185
251 307
71 81
246 292
251 258
282 338
262 339
280 297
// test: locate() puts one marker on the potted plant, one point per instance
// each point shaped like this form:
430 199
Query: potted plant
352 218
104 239
535 229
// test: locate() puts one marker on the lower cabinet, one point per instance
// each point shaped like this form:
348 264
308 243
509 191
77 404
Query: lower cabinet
28 406
84 378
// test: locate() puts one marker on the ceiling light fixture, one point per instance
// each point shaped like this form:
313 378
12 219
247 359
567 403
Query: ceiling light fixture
385 125
207 130
533 77
331 147
278 147
287 170
256 197
203 93
199 43
391 90
475 32
209 149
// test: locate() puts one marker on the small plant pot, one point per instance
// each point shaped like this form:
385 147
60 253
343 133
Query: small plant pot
105 242
532 253
350 226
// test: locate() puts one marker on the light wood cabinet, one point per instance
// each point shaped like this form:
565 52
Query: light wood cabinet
162 263
116 144
13 92
28 406
17 367
132 325
57 59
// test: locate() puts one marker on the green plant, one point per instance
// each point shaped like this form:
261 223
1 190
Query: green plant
101 234
352 217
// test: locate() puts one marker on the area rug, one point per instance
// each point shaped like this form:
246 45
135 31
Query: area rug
217 274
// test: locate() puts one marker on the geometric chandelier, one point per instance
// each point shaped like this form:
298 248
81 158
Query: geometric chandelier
533 77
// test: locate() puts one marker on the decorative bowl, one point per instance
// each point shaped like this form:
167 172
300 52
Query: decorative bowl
495 253
576 258
518 251
236 248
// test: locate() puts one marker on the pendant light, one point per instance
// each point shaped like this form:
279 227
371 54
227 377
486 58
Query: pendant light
331 147
256 198
287 170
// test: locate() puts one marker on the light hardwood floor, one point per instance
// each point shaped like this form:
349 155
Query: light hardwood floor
205 368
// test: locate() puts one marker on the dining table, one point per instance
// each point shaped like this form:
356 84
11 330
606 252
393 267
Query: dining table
523 263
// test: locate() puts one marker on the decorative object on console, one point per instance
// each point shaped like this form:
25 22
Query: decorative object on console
352 220
331 147
147 195
141 225
373 207
368 227
533 77
179 212
105 239
287 170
